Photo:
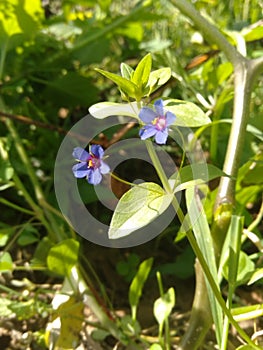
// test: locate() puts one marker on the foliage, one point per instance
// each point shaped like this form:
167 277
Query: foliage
60 60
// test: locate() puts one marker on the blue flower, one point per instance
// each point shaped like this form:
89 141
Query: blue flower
157 122
90 164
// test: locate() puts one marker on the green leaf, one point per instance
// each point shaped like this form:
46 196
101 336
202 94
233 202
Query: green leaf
252 34
70 90
99 335
6 170
158 78
141 74
4 307
130 326
203 171
63 256
223 71
28 236
246 267
6 262
203 238
128 88
156 347
137 284
106 109
126 71
71 318
163 306
42 250
256 276
137 208
187 113
20 17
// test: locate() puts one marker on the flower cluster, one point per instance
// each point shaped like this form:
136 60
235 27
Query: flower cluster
157 122
90 164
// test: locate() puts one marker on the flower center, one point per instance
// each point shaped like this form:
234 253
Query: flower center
160 123
93 162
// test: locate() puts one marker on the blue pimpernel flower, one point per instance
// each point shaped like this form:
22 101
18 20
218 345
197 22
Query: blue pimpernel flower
90 164
157 122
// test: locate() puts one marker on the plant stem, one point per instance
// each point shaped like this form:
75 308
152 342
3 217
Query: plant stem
51 224
245 73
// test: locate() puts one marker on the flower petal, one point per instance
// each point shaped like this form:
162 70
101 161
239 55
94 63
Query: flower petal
80 170
104 168
159 107
97 150
147 131
170 118
147 115
94 177
80 154
161 136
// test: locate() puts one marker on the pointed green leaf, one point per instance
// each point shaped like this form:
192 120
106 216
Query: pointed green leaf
163 306
158 78
257 275
252 33
141 74
187 113
137 208
126 71
203 238
127 87
106 109
137 284
193 174
6 262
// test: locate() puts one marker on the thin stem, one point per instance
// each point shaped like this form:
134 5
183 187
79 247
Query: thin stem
210 32
2 57
53 227
16 207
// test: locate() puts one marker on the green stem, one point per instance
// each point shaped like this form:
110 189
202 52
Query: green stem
53 228
16 207
245 72
2 57
37 210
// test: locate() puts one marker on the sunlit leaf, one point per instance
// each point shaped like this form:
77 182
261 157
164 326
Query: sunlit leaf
19 20
256 276
156 347
137 208
141 74
187 113
125 85
71 318
63 256
126 71
163 306
6 262
106 109
158 78
252 33
5 311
